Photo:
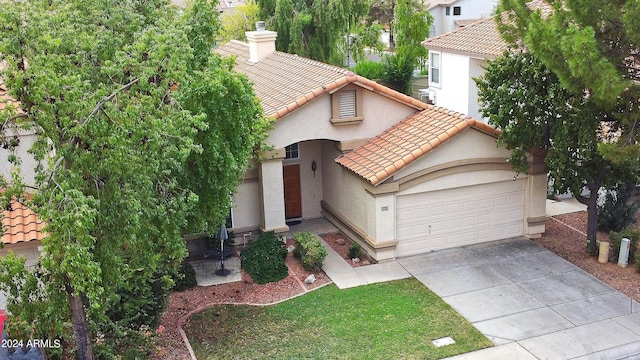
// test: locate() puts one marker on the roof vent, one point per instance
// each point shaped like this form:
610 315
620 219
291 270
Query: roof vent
260 26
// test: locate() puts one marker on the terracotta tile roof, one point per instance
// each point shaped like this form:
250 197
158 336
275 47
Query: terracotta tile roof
284 82
405 142
480 38
20 224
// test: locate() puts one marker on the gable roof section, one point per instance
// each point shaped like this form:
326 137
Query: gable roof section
479 38
284 82
405 142
20 224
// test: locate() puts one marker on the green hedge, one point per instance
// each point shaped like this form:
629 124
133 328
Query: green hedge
309 250
265 258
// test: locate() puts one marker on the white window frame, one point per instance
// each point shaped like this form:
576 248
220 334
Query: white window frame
437 84
289 150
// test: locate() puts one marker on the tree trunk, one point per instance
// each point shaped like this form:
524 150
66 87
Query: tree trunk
592 221
80 326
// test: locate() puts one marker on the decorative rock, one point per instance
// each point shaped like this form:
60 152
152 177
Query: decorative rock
355 260
290 248
310 279
340 241
366 262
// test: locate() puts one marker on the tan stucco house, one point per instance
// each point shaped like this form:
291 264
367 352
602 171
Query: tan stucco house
397 175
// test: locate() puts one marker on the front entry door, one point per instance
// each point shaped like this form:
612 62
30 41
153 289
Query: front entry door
292 193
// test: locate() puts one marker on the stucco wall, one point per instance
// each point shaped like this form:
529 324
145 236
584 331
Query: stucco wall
246 205
27 168
345 193
470 144
453 92
469 9
476 69
312 121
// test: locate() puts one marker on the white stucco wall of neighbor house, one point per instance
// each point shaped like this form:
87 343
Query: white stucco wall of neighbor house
28 165
469 9
311 121
476 69
453 92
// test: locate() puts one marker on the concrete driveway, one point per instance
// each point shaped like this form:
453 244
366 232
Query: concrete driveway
530 302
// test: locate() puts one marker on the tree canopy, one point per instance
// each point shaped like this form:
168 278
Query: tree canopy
142 134
574 94
314 29
235 23
537 115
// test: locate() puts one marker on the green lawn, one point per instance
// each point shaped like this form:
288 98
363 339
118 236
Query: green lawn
393 320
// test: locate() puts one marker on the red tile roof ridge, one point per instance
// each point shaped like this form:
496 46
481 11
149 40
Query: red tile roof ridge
405 142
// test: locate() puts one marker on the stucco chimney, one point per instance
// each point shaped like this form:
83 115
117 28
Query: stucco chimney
262 43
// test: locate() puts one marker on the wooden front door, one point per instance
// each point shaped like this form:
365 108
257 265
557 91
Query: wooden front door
292 192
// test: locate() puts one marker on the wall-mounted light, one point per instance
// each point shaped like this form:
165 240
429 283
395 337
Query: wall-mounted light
314 166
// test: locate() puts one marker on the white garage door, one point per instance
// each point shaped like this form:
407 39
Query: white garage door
459 216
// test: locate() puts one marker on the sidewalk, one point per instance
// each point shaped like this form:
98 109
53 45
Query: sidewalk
345 276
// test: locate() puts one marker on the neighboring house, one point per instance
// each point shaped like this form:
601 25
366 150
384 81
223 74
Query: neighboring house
455 58
449 15
25 138
22 232
397 175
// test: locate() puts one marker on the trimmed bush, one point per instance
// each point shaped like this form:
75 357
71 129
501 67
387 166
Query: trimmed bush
264 259
369 69
616 238
185 278
354 251
309 250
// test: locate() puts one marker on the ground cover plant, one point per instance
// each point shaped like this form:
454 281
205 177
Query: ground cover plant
390 320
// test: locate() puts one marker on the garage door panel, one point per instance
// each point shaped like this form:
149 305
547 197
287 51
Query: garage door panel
459 216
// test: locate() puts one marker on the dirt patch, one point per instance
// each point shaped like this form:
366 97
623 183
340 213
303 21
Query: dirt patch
565 236
341 243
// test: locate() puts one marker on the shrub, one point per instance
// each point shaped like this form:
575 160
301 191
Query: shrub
616 238
185 278
354 251
309 250
264 259
617 211
637 262
398 70
369 69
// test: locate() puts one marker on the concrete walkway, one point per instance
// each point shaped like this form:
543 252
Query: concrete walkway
345 276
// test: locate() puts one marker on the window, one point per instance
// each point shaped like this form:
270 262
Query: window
447 10
434 68
292 151
456 10
346 105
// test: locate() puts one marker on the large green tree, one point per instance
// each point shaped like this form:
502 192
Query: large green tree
592 47
313 28
537 115
142 134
